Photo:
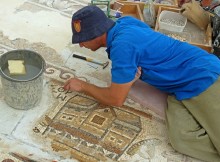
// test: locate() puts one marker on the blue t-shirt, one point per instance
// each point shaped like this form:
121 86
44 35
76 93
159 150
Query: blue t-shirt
172 66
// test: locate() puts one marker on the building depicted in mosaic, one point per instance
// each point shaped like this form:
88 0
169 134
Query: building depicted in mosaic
93 133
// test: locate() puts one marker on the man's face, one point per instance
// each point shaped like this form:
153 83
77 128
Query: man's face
93 44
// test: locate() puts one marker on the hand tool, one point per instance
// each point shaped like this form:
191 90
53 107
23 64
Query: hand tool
104 65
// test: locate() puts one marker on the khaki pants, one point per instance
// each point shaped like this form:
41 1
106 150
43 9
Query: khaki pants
193 124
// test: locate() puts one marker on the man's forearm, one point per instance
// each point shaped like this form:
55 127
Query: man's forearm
103 94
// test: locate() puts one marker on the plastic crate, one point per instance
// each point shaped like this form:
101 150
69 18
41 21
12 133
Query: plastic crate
172 21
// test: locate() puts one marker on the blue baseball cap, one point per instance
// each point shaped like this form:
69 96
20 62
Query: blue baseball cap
88 23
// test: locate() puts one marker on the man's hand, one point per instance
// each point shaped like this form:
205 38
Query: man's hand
74 84
138 74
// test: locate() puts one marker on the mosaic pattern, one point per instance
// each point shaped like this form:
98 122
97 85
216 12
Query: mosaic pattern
4 157
90 131
15 157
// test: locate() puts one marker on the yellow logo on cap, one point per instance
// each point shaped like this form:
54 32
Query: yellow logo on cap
77 25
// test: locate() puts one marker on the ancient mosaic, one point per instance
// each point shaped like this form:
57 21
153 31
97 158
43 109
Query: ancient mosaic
93 132
76 126
90 131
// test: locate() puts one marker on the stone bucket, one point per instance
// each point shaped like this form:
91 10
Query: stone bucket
22 91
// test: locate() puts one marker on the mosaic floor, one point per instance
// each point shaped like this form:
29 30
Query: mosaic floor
69 126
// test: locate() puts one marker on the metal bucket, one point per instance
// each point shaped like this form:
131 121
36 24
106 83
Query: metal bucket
22 91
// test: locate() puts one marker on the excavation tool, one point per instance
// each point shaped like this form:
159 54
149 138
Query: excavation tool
104 65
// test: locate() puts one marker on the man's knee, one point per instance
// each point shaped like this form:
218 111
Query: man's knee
196 144
176 141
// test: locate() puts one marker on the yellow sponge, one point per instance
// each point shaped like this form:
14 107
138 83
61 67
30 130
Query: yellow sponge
16 67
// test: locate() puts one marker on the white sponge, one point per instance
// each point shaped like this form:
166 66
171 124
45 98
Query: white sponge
16 67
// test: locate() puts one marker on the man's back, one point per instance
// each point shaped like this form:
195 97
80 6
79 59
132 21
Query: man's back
170 65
